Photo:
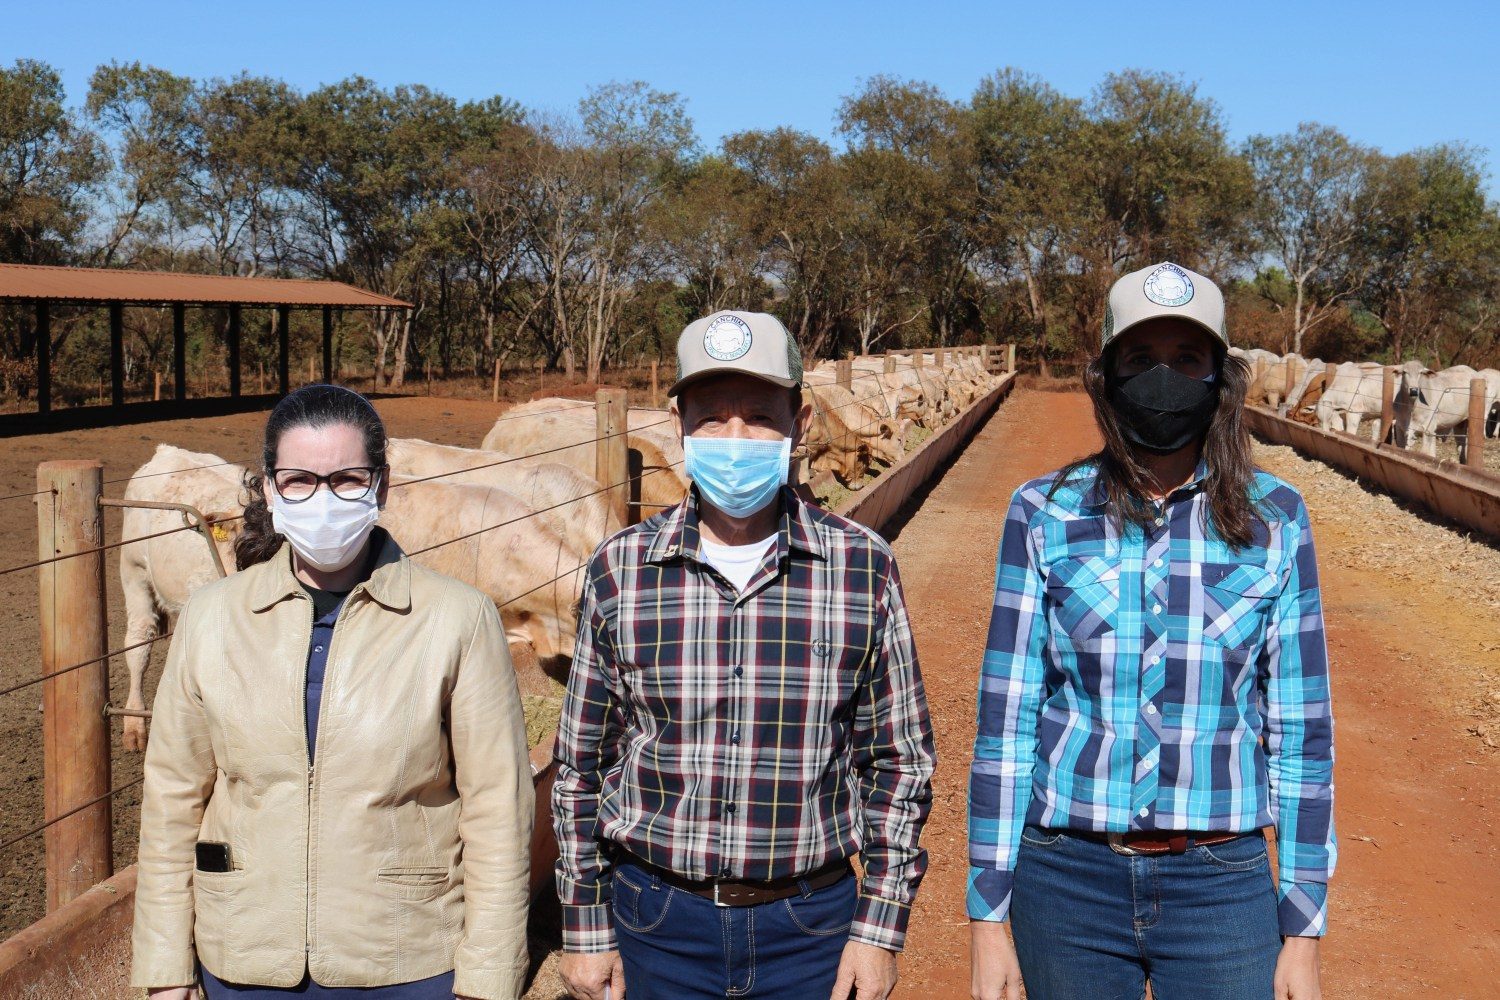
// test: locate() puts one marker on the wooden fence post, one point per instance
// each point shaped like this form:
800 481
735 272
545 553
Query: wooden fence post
916 359
844 373
1387 403
611 450
1010 357
495 384
890 364
655 396
941 357
1291 382
1474 439
156 387
75 730
984 357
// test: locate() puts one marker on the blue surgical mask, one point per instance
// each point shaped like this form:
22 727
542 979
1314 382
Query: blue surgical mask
738 476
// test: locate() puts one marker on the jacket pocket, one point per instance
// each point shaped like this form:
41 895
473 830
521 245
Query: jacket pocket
215 909
1085 596
414 881
1236 599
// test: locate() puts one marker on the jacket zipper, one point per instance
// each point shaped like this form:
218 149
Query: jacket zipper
311 753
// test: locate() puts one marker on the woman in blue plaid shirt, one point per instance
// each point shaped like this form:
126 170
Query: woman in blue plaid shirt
1154 694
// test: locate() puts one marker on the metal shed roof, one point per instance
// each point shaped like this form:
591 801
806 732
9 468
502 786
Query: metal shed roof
34 282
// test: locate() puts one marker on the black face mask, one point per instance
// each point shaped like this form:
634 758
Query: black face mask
1162 410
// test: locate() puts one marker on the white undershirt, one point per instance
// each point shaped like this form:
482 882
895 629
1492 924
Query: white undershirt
737 563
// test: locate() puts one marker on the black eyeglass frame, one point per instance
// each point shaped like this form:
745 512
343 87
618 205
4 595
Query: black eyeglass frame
375 471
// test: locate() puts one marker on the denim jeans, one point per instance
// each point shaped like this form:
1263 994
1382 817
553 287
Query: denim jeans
678 946
1095 924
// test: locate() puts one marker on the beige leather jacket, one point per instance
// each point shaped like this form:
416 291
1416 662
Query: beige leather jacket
403 853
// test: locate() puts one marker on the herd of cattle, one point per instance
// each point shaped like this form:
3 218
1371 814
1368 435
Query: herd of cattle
1428 404
519 516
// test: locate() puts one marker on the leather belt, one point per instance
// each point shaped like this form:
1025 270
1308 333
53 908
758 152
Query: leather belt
1153 842
731 892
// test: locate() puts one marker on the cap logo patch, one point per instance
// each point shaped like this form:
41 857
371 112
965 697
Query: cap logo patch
1169 285
727 338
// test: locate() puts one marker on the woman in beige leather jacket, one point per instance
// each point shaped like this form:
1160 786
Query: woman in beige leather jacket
337 792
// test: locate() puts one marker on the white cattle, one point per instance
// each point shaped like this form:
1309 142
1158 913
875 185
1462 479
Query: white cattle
565 430
566 500
158 574
1353 392
1431 405
1314 369
481 534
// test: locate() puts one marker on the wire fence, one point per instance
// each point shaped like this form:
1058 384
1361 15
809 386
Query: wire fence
531 513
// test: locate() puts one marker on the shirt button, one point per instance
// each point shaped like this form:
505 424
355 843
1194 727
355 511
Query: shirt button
1144 812
729 807
739 671
735 738
1155 660
724 871
1150 709
1157 563
317 649
1156 609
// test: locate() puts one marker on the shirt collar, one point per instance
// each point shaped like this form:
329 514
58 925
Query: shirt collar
679 533
389 583
1094 494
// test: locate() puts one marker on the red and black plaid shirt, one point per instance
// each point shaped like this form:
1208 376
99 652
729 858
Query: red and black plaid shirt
744 735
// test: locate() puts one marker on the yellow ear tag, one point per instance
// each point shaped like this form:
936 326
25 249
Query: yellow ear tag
221 533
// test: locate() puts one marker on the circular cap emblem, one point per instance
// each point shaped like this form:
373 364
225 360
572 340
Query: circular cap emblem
1169 285
727 338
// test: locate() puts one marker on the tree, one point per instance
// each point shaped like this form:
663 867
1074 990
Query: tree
368 165
1029 146
49 165
798 184
152 112
638 143
1427 224
1309 187
709 232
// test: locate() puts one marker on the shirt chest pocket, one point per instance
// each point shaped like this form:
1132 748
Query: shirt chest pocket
1237 599
1084 594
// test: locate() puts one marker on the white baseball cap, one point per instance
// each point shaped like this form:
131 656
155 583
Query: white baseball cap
739 343
1164 290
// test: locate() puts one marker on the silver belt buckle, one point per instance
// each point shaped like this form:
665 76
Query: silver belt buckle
717 883
1118 845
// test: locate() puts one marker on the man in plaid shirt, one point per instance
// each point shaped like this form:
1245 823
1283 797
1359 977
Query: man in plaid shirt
745 713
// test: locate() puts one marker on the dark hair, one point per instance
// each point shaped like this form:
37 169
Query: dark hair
1228 509
310 406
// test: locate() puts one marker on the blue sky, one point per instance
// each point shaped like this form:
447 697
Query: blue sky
1396 76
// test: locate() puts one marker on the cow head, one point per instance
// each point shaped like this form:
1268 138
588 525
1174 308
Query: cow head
225 526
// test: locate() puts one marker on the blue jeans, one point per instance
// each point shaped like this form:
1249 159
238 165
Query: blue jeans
1092 923
678 946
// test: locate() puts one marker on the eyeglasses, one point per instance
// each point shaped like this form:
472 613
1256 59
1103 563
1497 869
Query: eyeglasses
297 485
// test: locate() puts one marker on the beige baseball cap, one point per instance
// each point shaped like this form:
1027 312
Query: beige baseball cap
742 343
1164 290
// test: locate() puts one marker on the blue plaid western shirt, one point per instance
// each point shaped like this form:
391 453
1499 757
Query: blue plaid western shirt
752 734
1154 680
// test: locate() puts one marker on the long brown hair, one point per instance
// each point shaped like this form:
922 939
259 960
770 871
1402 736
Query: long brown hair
310 406
1228 509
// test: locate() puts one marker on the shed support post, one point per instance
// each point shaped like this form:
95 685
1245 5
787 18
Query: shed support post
328 344
44 357
284 348
233 336
116 354
179 352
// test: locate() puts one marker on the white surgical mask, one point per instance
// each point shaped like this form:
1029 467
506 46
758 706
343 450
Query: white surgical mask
325 531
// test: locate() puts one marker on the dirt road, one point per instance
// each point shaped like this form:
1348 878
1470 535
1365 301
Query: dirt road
1417 797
